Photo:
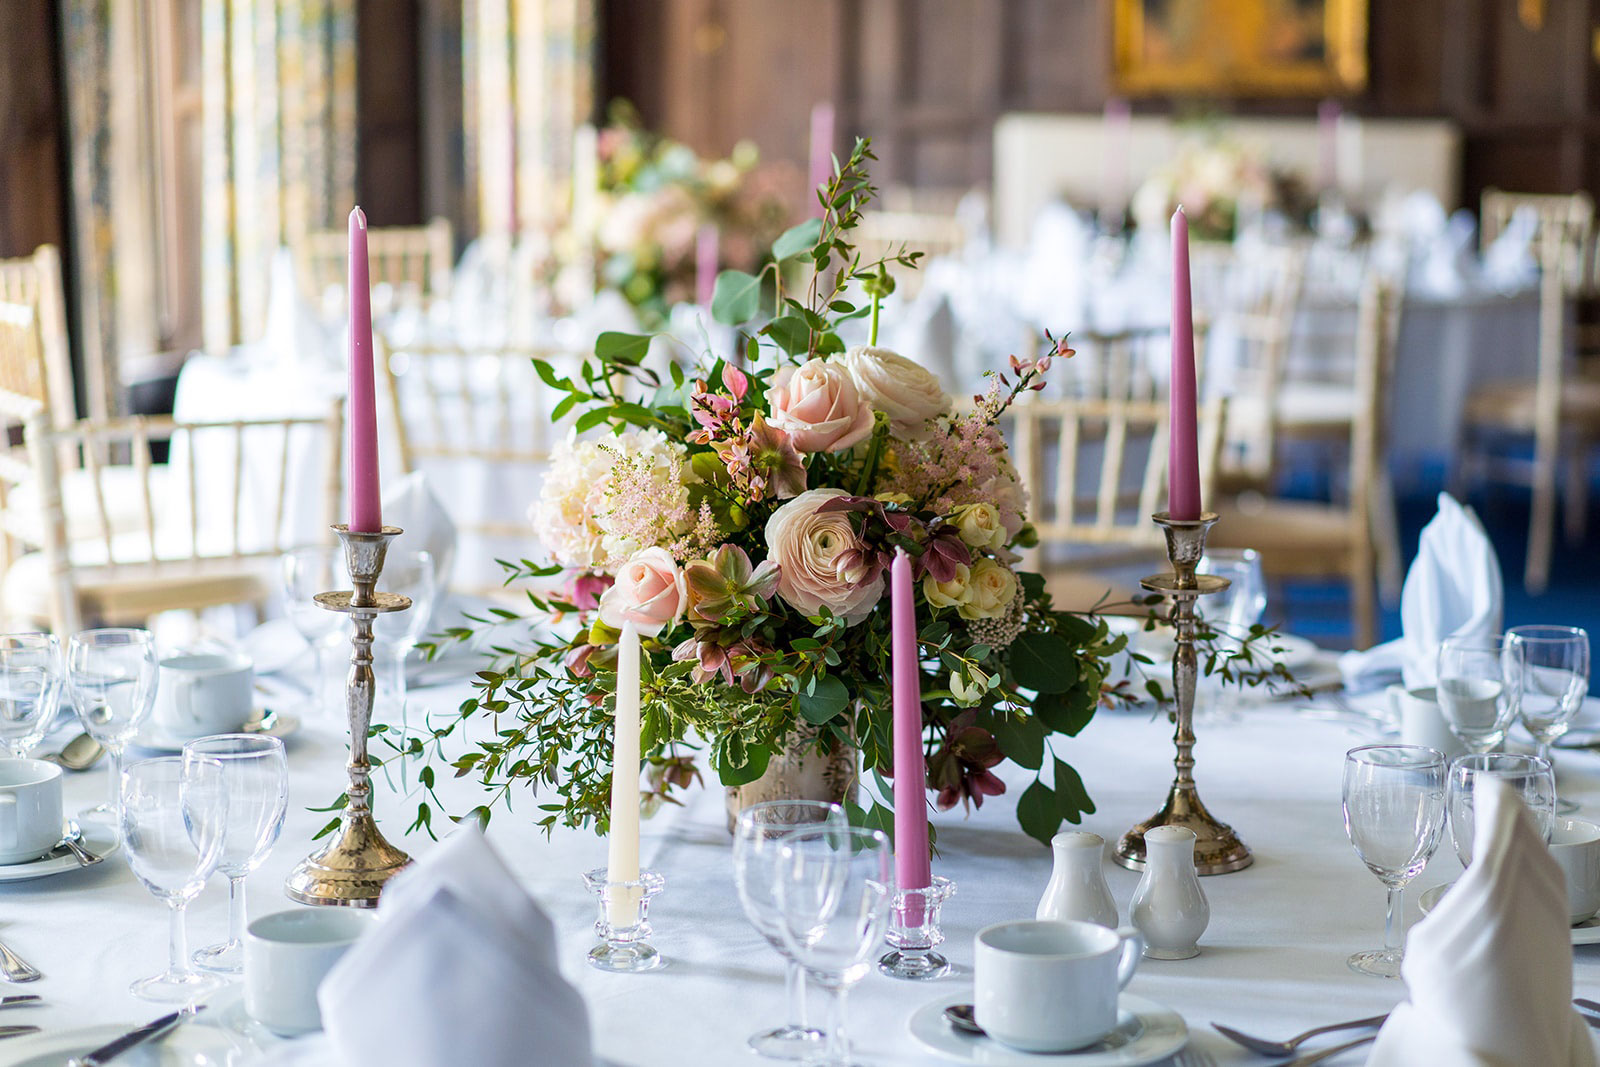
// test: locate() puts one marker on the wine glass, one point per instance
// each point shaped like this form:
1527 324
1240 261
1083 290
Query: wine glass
30 688
174 816
1547 672
1531 777
1472 692
757 841
1394 813
112 675
834 887
303 573
1234 610
395 633
256 778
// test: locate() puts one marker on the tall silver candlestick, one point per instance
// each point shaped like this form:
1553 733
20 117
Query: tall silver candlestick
351 870
1217 848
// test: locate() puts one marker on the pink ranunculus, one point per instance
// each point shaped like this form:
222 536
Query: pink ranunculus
818 405
821 561
649 592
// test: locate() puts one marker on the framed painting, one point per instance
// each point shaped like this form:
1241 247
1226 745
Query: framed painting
1239 47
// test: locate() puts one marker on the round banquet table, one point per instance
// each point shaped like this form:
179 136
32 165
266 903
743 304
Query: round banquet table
1272 961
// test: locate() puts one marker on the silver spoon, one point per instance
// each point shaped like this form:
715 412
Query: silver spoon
79 754
72 841
961 1017
14 968
1287 1047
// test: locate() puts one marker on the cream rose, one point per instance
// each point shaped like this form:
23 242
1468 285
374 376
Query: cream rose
821 563
980 526
819 406
951 594
901 388
990 590
649 592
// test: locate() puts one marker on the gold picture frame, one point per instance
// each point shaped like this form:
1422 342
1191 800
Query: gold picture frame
1239 47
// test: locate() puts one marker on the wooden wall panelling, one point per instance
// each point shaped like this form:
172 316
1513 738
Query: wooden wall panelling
388 112
32 177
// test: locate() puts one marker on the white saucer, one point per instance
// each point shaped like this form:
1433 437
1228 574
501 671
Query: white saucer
1146 1033
97 839
190 1045
272 723
1585 933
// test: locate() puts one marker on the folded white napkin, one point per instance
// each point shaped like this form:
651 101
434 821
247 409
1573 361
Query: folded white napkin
1489 972
1509 262
1447 265
461 969
294 332
411 504
1452 589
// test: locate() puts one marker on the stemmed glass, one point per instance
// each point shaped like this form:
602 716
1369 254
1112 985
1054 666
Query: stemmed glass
174 819
30 688
395 634
834 888
256 778
1472 691
112 675
1547 673
1394 812
305 572
1530 777
757 841
1233 611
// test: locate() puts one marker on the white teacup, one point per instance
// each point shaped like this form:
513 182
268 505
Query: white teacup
30 809
1051 986
203 693
1421 721
286 956
1575 843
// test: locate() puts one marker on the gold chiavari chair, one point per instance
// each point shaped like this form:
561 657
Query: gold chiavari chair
1308 538
202 539
35 282
1556 404
414 261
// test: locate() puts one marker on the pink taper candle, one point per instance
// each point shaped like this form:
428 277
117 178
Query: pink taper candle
1183 458
910 769
366 513
1328 113
706 254
821 168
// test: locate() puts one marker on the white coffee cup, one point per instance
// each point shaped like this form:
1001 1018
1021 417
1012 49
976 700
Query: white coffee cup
1575 843
203 693
30 809
1421 721
1051 986
286 956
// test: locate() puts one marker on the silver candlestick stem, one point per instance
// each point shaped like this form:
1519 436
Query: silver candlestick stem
351 870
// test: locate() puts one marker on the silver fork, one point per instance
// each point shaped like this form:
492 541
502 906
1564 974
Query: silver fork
1194 1057
1287 1047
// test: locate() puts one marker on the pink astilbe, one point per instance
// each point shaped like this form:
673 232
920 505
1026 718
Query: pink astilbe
959 463
648 504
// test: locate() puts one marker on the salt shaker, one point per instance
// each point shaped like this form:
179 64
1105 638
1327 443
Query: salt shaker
1169 908
1077 888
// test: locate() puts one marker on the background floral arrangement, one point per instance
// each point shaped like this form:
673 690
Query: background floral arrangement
654 196
743 518
1218 180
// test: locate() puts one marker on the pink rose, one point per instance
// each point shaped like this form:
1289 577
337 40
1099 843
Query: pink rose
649 592
819 406
821 561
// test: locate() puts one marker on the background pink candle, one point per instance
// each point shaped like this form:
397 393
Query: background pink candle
821 168
706 253
1328 113
366 513
910 769
1183 459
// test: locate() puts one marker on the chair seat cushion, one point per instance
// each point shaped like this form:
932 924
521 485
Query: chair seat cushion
1293 536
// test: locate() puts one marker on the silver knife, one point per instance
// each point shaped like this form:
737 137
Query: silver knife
133 1038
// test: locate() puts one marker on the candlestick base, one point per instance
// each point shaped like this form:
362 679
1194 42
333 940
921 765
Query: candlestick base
624 922
351 872
914 933
1217 849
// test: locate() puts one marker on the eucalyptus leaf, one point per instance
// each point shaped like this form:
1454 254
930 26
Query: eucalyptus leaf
827 698
797 239
791 334
627 349
736 298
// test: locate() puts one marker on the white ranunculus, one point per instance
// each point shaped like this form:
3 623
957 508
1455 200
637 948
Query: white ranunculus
901 388
821 561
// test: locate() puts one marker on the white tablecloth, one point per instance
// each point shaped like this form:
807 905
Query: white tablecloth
1272 959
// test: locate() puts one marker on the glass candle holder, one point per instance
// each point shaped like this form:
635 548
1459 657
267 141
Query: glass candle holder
624 948
914 933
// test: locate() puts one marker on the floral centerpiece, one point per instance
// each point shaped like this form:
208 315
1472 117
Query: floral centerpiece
1219 180
742 515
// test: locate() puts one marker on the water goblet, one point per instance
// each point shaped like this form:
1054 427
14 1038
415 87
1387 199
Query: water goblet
1530 777
112 676
174 815
1547 673
1472 691
256 778
303 573
395 634
30 689
1240 606
834 887
1394 813
757 842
